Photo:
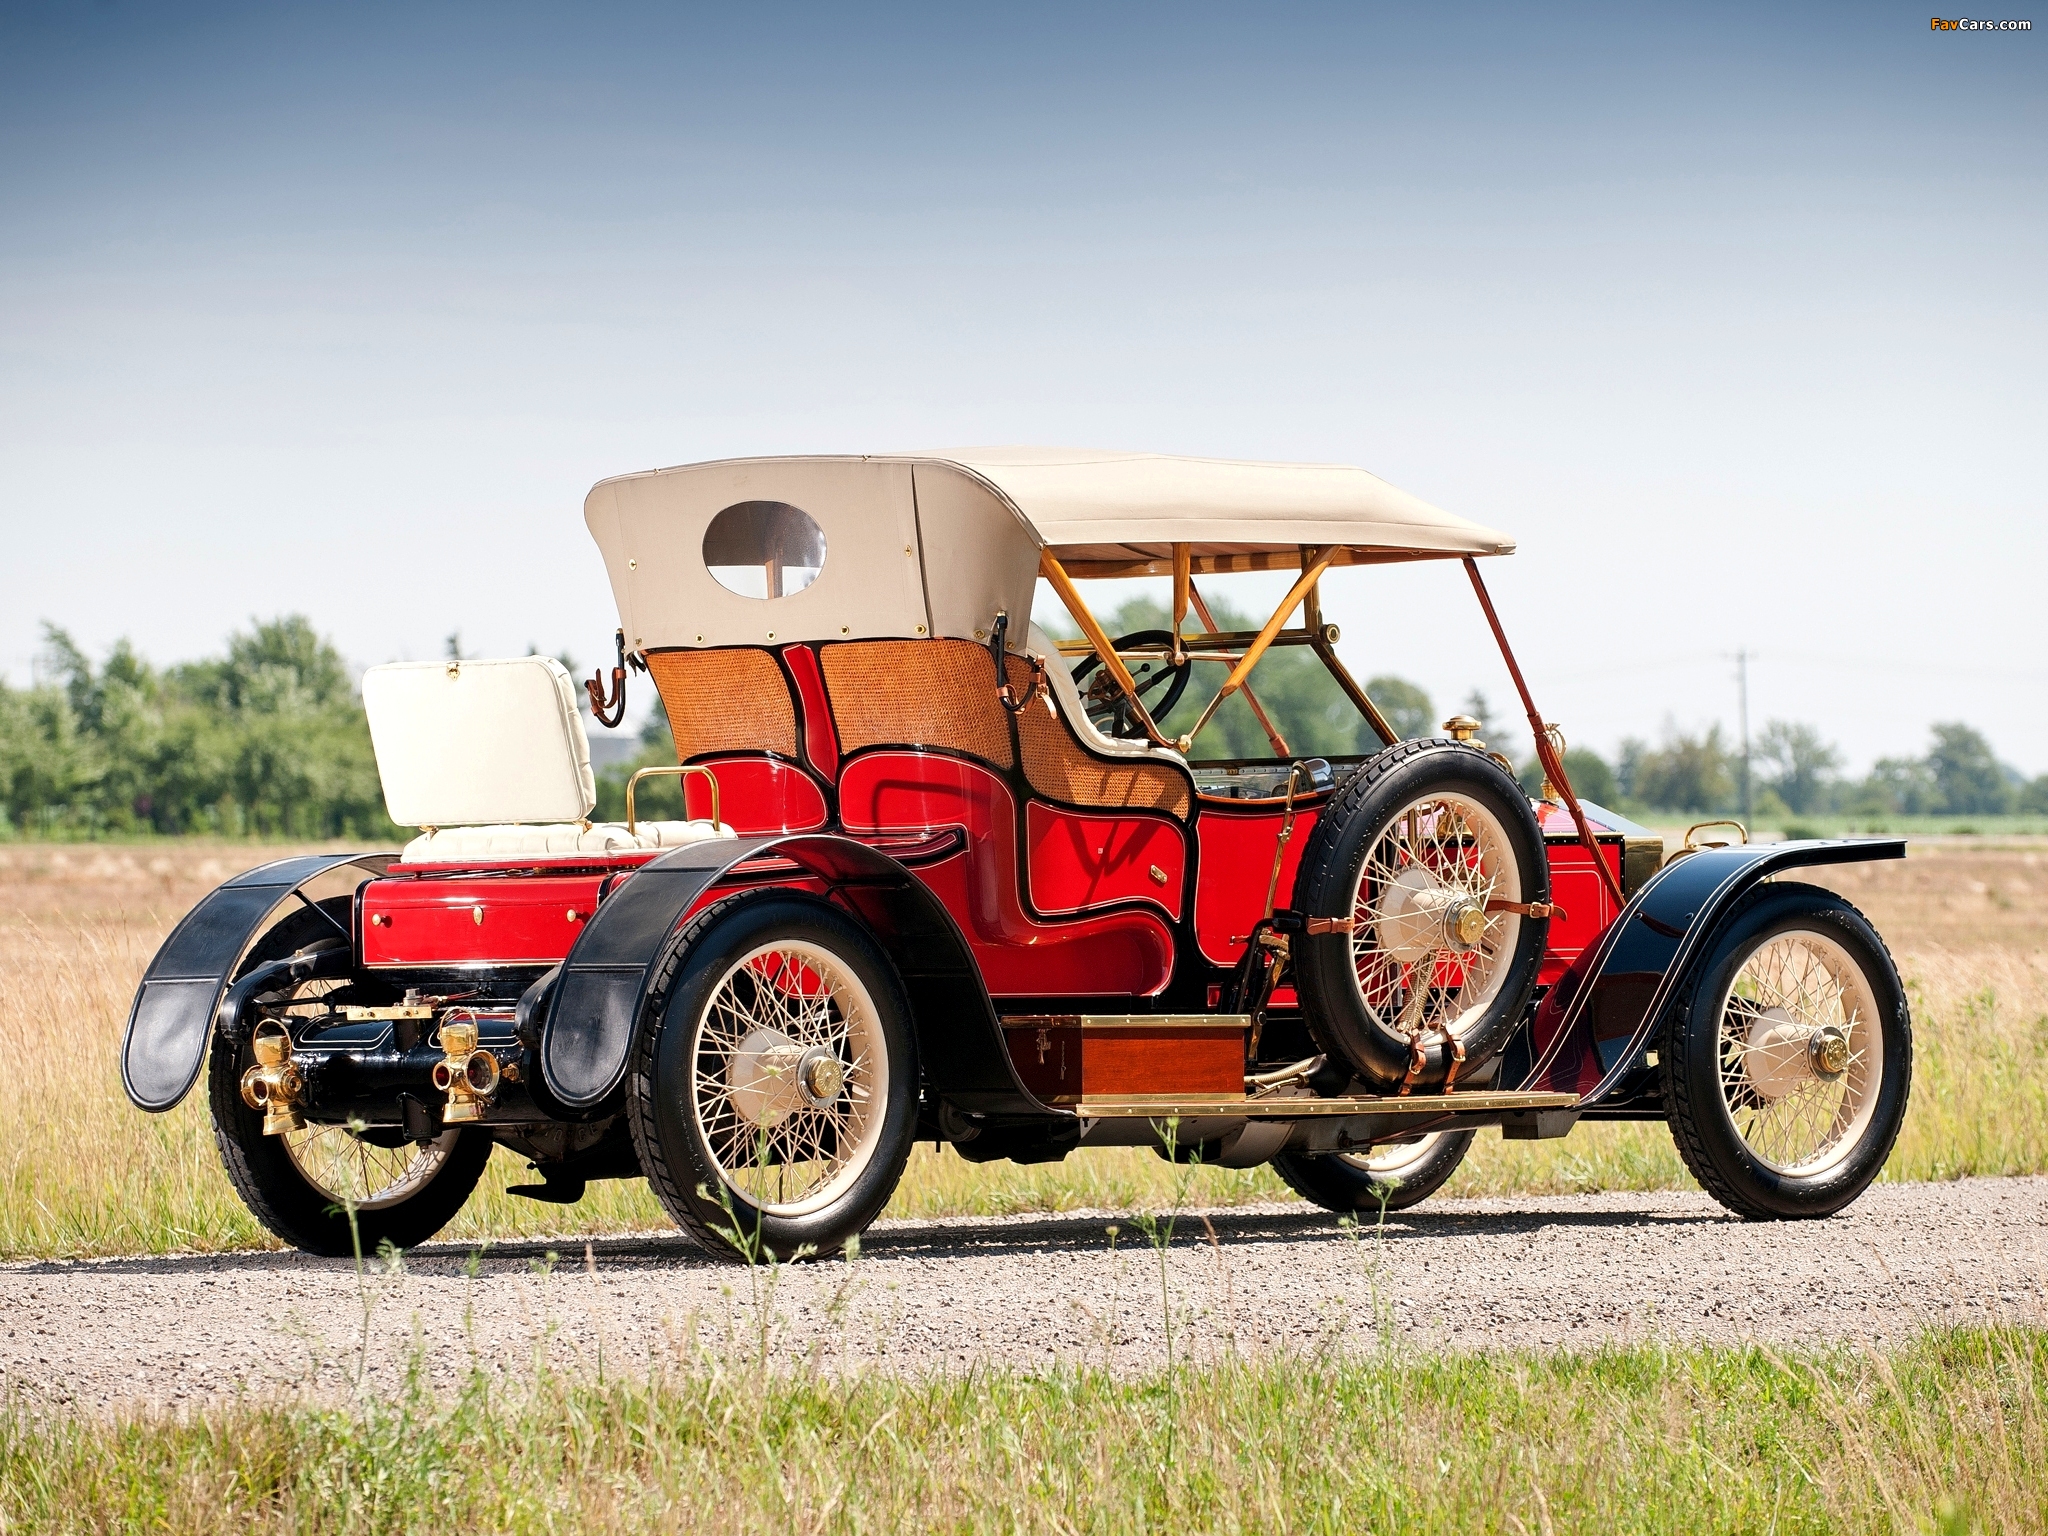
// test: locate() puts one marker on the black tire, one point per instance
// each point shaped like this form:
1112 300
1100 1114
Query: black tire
1325 969
1708 1082
1345 1182
262 1168
683 1146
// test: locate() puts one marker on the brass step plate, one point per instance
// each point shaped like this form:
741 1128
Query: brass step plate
1228 1106
1093 1023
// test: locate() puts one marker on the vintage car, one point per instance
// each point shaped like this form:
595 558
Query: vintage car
944 878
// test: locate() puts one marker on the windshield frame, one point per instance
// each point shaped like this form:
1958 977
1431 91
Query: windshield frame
1230 647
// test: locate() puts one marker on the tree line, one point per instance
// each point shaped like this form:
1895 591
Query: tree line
270 740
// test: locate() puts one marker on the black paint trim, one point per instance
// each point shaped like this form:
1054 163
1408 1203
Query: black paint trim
597 1005
172 1017
1655 946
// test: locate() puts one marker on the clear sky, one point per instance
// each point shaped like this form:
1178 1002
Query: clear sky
1734 317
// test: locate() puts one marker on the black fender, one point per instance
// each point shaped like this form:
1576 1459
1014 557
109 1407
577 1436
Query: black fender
186 985
1596 1023
595 1005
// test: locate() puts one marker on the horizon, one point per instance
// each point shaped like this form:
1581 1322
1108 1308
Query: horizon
1733 320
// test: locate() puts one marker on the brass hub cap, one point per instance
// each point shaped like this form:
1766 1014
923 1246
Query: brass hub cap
789 1078
820 1076
1801 1052
1427 953
1829 1050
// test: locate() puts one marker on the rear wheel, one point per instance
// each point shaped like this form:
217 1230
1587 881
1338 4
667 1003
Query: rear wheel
1789 1066
1397 1173
773 1096
300 1184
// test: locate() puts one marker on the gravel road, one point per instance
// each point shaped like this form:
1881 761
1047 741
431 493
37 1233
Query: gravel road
1034 1290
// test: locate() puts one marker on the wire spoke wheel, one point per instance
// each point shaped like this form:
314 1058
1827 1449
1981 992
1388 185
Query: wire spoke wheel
1392 1176
1801 1058
349 1169
790 1077
1429 858
773 1091
324 1187
1396 1158
1428 955
1786 1072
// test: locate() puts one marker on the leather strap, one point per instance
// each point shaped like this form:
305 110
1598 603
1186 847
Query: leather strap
1535 909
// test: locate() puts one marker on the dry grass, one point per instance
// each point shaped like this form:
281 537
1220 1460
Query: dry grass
86 1174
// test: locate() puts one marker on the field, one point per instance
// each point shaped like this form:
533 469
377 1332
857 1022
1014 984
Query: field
84 1174
1947 1432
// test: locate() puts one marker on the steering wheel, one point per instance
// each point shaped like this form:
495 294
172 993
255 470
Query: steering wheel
1160 685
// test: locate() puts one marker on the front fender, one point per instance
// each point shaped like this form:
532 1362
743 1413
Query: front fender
1595 1024
173 1013
595 1006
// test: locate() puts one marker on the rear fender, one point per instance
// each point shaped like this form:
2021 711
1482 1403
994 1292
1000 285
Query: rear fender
187 983
1596 1023
594 1007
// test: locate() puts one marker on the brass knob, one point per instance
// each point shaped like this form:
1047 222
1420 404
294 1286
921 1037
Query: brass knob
1158 875
1461 727
380 920
1471 925
824 1077
476 914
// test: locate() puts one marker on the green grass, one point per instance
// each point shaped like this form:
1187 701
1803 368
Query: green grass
1947 1434
1796 826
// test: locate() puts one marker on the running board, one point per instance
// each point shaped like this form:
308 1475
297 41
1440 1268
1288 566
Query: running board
1186 1106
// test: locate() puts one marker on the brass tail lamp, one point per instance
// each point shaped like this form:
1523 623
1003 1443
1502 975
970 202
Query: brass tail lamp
466 1072
275 1085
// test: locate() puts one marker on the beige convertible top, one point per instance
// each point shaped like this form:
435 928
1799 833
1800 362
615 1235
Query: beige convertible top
921 544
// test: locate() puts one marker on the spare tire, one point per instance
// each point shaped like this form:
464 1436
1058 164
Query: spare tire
1428 850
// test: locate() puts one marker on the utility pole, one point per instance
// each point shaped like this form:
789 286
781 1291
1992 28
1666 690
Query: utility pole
1742 693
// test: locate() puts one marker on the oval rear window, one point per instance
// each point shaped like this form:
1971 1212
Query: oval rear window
764 549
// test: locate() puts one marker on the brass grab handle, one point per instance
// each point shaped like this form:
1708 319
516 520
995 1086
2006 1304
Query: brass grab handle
682 772
1701 826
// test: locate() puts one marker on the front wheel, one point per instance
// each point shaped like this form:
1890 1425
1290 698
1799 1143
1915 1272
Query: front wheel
773 1096
1789 1066
1396 1175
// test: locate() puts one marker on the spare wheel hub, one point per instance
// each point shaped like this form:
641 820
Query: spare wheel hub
1420 916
